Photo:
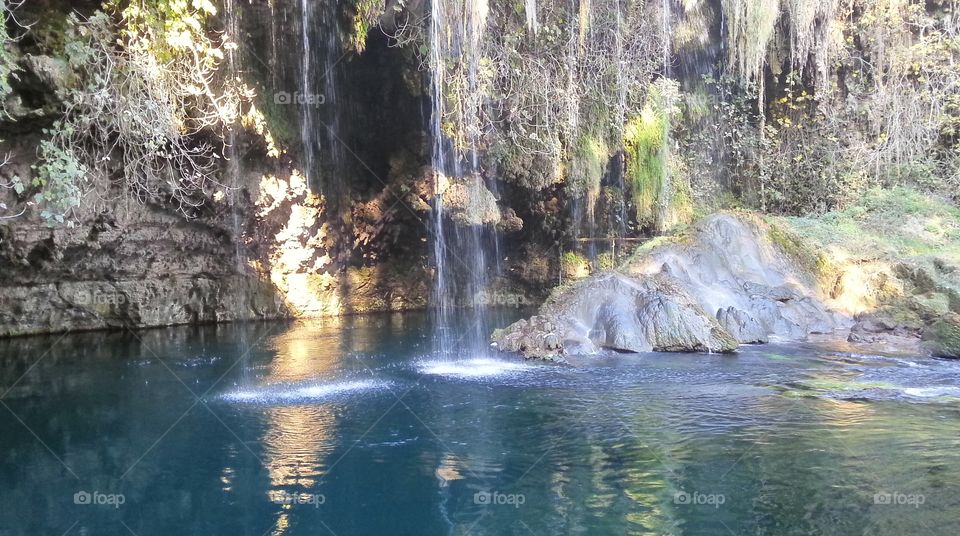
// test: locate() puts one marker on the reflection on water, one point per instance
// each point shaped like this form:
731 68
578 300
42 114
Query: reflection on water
353 427
298 439
296 443
449 470
310 351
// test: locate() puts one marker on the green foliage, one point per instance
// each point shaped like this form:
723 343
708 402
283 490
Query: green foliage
867 99
752 24
644 141
145 88
365 16
168 29
758 30
606 261
59 175
535 93
574 265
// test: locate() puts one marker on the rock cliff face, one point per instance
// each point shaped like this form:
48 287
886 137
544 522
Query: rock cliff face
723 284
268 251
264 241
943 337
154 271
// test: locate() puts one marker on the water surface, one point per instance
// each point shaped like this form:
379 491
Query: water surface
354 426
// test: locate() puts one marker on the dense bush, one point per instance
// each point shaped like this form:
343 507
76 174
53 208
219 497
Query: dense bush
144 106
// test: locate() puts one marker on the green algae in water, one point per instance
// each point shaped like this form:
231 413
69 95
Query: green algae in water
824 386
846 385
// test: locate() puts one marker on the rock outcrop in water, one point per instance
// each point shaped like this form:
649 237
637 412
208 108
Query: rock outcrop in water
724 284
622 313
942 338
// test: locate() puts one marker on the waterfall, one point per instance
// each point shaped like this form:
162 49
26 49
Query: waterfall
461 249
329 103
307 123
231 35
530 10
666 188
441 297
235 173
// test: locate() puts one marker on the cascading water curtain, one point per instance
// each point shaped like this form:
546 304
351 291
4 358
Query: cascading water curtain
307 123
456 31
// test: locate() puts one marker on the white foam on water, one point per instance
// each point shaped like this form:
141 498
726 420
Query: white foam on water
930 392
478 367
301 392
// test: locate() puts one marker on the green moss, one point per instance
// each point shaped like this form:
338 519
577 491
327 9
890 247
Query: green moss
657 177
896 222
801 251
280 120
943 336
845 385
49 30
587 165
605 261
654 243
681 203
644 139
365 16
572 262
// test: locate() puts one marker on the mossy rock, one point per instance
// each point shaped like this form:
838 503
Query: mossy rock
806 254
942 338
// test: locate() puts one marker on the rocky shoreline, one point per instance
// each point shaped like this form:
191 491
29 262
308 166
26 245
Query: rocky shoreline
733 278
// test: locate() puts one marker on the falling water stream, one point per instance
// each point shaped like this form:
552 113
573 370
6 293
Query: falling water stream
308 126
462 253
666 188
232 156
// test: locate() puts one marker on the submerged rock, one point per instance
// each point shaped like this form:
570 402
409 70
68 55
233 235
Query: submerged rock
724 284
